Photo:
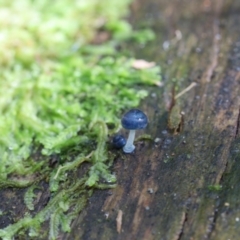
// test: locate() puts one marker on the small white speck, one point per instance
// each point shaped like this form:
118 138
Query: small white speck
198 49
164 132
217 36
178 34
150 190
157 140
166 45
237 219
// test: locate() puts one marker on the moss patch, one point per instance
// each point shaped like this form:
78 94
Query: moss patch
58 94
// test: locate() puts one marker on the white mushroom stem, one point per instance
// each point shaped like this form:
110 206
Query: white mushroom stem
129 147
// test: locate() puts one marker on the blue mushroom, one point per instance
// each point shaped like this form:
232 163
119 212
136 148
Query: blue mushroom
133 120
118 141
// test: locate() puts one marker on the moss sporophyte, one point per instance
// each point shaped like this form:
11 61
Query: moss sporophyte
57 97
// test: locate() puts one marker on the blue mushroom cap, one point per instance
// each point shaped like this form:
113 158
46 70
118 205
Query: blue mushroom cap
119 141
134 119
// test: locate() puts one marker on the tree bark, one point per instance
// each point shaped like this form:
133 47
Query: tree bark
185 185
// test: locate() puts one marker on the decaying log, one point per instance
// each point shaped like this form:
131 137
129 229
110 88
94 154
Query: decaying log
186 184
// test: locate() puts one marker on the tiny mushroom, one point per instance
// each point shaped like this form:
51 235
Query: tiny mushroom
118 141
133 120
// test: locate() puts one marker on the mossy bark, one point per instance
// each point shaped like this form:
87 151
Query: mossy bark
186 184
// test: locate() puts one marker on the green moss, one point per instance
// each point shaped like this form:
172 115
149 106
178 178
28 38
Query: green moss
215 188
58 93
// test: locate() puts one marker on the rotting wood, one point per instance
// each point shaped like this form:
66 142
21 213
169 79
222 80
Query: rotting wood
183 169
119 221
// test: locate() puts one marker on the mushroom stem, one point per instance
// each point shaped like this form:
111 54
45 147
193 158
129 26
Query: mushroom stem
129 147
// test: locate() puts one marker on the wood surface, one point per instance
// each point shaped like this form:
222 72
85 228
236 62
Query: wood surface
186 184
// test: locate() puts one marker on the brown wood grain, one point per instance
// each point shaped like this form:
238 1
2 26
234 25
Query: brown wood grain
168 190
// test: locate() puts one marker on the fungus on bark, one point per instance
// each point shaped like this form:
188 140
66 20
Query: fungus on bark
133 120
118 141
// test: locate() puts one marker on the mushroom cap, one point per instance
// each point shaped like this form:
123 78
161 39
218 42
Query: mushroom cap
119 141
134 119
